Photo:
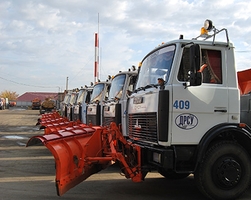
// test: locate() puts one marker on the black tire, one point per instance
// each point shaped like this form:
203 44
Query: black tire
225 171
173 175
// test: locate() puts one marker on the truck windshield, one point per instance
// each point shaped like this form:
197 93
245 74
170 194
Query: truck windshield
154 66
97 92
67 98
117 87
81 95
73 98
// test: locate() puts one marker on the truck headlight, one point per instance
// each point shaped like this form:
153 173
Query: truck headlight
208 25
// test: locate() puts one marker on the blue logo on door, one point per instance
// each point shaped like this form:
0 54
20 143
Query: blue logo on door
186 121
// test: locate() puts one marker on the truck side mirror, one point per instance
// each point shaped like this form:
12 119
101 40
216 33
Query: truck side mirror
195 79
195 63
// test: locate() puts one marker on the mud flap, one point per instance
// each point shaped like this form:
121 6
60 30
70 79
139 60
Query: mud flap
70 148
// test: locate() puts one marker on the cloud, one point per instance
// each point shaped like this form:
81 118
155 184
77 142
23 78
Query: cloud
45 41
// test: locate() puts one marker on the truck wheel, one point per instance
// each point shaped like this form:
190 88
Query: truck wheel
172 174
224 172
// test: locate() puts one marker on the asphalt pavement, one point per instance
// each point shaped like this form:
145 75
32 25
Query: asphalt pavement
29 172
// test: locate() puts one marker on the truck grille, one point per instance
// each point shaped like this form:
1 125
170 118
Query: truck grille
143 127
92 119
107 121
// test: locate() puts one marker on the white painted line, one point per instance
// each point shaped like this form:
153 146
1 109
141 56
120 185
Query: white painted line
28 158
27 179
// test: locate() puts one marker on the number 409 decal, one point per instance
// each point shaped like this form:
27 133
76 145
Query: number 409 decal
181 104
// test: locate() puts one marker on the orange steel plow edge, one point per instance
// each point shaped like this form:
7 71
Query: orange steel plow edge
80 153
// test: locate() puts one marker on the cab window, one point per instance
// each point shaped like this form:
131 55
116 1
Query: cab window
211 67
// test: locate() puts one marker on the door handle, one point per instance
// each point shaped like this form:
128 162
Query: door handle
223 110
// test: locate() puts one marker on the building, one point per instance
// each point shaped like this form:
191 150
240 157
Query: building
25 99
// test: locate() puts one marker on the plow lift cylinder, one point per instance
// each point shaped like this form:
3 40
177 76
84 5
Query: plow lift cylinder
79 153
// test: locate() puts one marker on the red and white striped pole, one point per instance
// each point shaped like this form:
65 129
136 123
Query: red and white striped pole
96 58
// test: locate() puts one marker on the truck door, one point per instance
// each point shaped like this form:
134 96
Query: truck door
196 109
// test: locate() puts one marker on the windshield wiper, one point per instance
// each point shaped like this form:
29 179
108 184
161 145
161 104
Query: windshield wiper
117 98
145 87
138 89
151 85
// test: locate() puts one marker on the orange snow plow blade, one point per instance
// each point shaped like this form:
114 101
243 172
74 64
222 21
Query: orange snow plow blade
50 128
244 81
48 116
80 153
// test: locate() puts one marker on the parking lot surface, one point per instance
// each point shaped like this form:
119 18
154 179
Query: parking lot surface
29 172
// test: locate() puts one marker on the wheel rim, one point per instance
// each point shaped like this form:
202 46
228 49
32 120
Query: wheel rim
228 173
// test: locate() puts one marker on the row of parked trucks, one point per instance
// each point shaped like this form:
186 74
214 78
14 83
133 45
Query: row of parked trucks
5 103
179 113
97 104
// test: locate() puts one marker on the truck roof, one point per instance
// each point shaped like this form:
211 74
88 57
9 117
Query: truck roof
126 72
193 41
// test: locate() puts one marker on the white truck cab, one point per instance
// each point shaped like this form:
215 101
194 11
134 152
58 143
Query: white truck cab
79 109
185 114
189 110
70 105
66 100
115 108
95 107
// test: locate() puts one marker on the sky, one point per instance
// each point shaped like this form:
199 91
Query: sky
44 43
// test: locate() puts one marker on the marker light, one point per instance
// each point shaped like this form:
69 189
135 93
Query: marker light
203 31
208 25
242 125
